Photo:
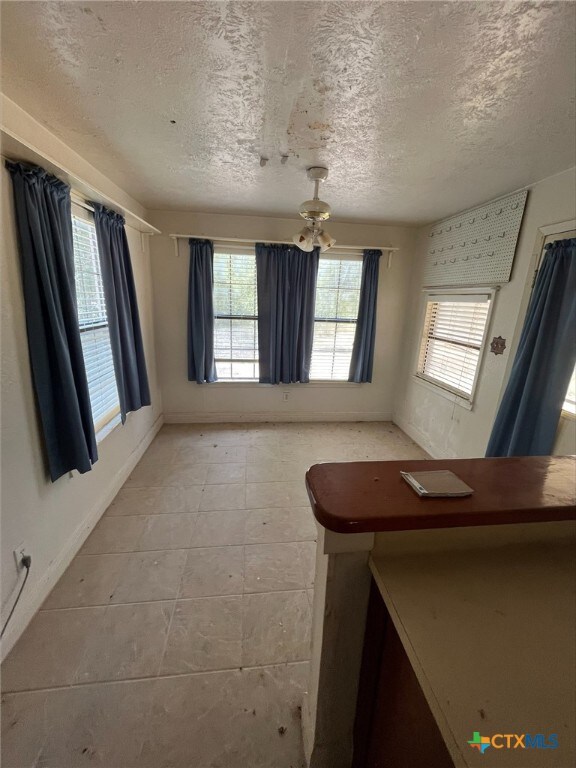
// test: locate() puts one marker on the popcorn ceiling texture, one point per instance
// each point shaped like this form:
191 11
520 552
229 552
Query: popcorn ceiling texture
419 109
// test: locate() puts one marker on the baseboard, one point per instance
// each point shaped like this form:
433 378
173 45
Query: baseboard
32 601
212 417
419 437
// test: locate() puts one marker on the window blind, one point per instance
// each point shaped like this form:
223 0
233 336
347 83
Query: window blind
454 331
337 301
93 323
236 315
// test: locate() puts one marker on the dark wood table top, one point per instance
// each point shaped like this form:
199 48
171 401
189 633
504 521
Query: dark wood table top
359 497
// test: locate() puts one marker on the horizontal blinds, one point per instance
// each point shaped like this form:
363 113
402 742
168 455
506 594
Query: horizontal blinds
100 373
93 322
336 313
236 310
452 340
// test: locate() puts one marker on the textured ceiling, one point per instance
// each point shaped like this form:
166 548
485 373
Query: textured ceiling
419 109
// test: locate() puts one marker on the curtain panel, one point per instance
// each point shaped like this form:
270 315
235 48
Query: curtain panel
286 278
44 223
362 360
201 363
530 410
122 310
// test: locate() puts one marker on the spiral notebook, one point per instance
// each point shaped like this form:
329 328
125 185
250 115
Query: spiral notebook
440 482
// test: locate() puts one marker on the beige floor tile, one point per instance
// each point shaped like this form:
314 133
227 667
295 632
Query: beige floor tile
226 473
307 551
166 532
276 628
161 452
51 649
223 434
222 497
213 571
261 495
150 576
129 642
262 453
80 727
279 524
230 719
205 634
148 501
154 475
276 471
88 580
218 529
272 568
192 497
213 454
115 534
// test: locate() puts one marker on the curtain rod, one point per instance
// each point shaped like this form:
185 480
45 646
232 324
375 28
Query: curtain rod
390 249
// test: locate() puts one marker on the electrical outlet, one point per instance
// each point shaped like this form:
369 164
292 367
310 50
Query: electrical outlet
20 551
285 396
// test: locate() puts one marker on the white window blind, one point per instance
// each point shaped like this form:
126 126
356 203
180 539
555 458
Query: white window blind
236 315
452 341
336 314
570 401
93 321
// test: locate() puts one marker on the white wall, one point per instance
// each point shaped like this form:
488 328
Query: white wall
223 401
439 423
53 519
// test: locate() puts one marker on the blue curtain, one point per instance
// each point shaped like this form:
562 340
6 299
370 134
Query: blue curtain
44 223
286 279
201 364
122 311
362 360
528 416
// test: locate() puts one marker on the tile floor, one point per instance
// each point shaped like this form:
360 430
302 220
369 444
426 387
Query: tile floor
179 636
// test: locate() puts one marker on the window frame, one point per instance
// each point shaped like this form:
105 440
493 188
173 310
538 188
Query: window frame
335 256
224 248
108 421
432 295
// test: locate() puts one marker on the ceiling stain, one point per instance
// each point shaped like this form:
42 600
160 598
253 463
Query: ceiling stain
420 108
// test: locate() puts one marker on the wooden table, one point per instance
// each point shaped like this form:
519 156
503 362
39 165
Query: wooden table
371 496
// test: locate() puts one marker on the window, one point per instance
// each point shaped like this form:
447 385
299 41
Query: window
94 331
337 301
236 313
452 341
570 400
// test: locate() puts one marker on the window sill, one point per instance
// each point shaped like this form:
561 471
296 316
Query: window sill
109 427
445 393
568 415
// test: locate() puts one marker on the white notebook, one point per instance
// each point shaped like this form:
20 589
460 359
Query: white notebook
440 482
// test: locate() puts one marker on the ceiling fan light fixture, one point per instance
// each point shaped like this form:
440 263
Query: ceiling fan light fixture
315 210
304 239
325 241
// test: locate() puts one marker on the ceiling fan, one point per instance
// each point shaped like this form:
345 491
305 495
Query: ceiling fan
315 212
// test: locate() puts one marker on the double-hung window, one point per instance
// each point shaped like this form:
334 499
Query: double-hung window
336 315
453 338
93 322
236 314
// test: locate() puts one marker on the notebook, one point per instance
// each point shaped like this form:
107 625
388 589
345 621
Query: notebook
440 482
